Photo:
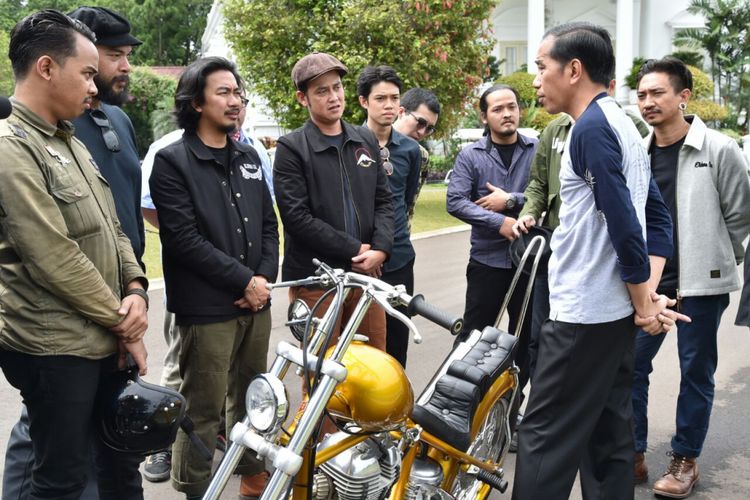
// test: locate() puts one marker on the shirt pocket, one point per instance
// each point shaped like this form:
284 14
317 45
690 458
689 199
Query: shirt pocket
77 208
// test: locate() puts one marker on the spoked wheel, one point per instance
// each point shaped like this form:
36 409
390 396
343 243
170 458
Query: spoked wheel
487 445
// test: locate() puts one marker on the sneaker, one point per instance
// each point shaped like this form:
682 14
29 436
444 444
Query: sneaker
513 448
680 478
158 466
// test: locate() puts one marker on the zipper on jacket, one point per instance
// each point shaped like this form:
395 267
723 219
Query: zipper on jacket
345 178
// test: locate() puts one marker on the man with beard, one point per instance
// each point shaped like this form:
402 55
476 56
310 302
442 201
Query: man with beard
74 301
220 247
108 134
486 191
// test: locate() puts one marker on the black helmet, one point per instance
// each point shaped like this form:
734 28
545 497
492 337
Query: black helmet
519 245
135 416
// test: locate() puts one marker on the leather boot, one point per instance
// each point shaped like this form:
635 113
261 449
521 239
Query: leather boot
640 474
252 486
680 478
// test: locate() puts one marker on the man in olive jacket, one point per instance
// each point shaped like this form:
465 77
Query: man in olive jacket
73 293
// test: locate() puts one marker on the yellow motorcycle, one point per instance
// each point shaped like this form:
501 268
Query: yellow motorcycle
449 444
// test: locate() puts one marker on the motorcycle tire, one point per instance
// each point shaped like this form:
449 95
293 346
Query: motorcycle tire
488 444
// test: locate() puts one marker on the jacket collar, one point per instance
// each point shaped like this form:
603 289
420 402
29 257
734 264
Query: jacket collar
201 151
695 137
318 141
64 127
523 141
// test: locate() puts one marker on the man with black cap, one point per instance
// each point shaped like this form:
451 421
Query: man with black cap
108 134
332 191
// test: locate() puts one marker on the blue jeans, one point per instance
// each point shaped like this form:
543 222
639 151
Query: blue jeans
696 345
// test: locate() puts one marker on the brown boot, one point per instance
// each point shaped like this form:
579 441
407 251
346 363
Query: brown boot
251 487
640 474
680 478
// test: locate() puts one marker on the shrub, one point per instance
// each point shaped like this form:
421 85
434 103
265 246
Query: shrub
150 92
707 110
703 87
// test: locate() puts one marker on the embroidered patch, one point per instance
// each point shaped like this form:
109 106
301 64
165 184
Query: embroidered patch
589 179
56 155
250 171
17 130
363 158
703 164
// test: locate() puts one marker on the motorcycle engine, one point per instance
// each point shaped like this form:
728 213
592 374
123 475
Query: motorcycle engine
365 471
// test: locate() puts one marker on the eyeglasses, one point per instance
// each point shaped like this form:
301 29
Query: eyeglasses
244 101
385 157
108 133
422 123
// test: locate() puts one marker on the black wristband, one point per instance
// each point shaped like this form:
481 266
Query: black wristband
140 292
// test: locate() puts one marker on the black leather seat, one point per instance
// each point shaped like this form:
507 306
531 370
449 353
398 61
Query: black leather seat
450 410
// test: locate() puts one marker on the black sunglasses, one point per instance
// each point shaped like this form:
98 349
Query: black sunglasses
108 133
422 123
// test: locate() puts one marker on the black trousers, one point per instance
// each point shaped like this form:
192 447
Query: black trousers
579 414
59 393
486 288
397 333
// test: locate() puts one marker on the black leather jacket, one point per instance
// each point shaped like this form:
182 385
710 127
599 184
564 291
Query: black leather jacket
217 228
309 176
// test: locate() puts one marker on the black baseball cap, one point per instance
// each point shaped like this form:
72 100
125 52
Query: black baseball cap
110 28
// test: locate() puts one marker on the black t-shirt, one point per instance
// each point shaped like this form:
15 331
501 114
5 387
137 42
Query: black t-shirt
506 152
350 213
664 162
221 155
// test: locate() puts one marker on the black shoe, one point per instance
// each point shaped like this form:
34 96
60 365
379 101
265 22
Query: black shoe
158 466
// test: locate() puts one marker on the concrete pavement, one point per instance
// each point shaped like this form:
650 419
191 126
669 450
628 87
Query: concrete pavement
440 276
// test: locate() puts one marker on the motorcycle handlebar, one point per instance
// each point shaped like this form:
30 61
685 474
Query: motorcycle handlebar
420 306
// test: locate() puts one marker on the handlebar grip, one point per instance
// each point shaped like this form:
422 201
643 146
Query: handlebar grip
420 306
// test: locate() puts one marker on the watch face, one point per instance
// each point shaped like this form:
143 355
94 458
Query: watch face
511 203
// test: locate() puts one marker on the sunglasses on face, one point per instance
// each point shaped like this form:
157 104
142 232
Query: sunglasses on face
423 124
385 157
108 133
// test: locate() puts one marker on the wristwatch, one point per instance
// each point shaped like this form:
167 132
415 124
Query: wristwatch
510 203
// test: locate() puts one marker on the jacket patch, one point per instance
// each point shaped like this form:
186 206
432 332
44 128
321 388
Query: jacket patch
93 163
250 171
362 155
716 273
57 155
703 164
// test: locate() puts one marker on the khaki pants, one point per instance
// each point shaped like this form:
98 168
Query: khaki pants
372 325
217 361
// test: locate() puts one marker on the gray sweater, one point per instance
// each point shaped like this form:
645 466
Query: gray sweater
713 211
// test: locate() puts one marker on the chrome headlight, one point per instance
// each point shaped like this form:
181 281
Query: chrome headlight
266 403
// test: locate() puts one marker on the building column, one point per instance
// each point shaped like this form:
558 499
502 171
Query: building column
624 42
534 31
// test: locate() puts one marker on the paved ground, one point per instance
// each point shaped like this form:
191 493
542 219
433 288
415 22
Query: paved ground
725 464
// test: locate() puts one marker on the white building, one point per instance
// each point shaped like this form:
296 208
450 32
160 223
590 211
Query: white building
643 28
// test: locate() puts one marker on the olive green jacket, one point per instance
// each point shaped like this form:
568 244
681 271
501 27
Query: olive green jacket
64 261
543 191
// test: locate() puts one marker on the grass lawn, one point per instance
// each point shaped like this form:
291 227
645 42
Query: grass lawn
429 215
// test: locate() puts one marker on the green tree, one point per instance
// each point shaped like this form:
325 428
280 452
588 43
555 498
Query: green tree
726 39
152 96
171 30
6 72
442 45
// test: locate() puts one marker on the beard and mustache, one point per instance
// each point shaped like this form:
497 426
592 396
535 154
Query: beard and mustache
107 92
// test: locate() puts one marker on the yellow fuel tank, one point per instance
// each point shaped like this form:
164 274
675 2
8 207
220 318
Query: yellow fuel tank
376 394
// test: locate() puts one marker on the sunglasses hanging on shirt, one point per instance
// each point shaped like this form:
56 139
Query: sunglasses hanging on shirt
385 157
111 140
